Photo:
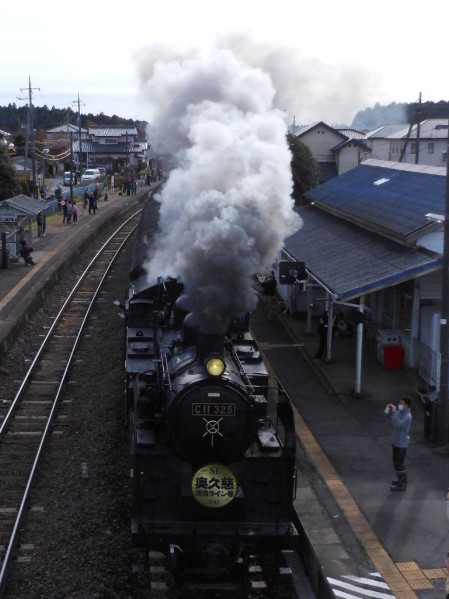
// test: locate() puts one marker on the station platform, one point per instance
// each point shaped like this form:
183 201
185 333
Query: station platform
364 536
23 288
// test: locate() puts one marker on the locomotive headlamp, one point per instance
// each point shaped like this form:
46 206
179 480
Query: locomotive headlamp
215 365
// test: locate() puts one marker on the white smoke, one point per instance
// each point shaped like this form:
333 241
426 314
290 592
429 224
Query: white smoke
226 208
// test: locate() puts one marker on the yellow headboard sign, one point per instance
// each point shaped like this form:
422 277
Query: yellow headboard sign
214 485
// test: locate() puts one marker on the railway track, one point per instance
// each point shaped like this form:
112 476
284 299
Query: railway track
265 577
32 416
75 520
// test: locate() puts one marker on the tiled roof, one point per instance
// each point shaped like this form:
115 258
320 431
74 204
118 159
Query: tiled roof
353 133
428 129
389 198
101 131
66 129
307 128
385 131
350 261
25 204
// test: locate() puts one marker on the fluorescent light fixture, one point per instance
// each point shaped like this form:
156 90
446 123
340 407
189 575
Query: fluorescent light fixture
438 218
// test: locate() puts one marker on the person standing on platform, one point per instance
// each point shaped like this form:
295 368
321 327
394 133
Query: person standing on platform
92 203
41 220
74 213
44 223
401 420
39 224
322 333
64 211
269 286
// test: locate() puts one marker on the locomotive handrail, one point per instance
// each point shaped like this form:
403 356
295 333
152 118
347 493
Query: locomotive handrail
235 358
166 370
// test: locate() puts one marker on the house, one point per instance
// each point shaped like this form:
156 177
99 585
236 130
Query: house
335 150
370 246
64 133
114 147
421 143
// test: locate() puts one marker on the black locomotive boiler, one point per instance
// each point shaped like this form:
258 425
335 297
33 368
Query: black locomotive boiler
212 435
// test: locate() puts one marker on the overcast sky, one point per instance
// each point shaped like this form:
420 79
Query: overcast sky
331 58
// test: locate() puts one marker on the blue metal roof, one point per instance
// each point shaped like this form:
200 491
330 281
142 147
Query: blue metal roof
350 261
391 199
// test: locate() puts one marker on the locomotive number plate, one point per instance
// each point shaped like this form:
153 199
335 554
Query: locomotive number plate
213 409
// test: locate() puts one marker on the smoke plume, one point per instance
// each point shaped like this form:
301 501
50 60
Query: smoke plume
226 207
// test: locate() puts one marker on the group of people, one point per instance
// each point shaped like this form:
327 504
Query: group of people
69 212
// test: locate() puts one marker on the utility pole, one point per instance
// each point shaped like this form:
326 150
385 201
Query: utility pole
31 132
443 408
71 162
418 129
417 119
78 102
126 155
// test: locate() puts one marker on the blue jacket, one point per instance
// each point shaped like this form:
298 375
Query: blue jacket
401 421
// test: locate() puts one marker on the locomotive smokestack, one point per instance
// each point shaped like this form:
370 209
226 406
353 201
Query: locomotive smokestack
211 336
210 343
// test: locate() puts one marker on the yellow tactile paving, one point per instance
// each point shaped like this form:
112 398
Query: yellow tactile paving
435 573
408 566
420 584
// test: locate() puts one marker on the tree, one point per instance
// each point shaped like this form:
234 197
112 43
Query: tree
9 183
20 143
305 170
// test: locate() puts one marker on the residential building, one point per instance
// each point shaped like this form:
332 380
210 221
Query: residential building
335 150
65 133
421 143
114 147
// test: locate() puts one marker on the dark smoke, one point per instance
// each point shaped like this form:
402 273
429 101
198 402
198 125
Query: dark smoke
226 207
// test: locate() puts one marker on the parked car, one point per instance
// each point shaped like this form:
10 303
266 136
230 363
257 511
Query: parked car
68 178
102 171
90 174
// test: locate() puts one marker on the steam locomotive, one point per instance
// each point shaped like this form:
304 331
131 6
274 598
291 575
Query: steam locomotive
212 435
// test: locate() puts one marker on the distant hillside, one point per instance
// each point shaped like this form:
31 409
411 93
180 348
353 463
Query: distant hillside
395 113
13 118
